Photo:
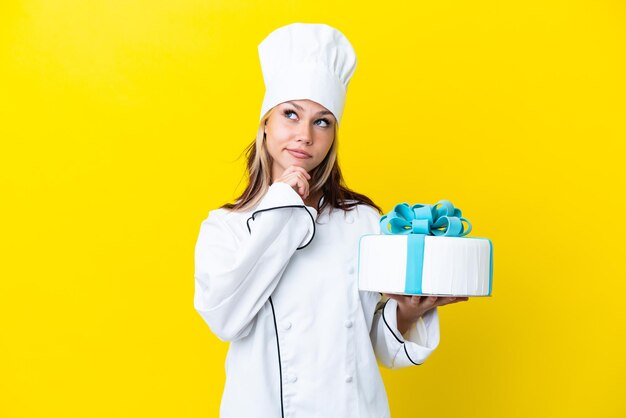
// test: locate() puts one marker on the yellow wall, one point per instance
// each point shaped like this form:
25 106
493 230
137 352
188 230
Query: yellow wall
121 122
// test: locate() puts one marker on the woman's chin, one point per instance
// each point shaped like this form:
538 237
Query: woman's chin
300 163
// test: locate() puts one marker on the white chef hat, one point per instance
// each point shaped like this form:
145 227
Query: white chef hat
306 61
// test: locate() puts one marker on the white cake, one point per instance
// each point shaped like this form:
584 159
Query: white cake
416 264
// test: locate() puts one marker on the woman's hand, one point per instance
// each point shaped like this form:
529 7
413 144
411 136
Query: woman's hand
298 178
411 308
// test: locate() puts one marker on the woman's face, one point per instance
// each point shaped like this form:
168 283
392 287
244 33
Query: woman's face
299 132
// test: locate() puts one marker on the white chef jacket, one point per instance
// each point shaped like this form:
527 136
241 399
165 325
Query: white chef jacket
281 287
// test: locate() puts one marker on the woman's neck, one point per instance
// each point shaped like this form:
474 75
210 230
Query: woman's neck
313 199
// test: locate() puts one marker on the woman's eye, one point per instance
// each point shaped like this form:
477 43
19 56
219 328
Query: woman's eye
289 112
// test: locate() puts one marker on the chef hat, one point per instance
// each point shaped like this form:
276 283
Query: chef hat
306 61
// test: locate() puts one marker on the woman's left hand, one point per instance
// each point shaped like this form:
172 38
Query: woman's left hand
411 308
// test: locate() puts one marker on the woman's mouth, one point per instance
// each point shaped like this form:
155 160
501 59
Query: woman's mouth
299 154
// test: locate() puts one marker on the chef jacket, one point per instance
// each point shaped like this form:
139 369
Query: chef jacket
280 285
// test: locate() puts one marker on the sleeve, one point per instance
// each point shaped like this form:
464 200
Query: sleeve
394 350
234 278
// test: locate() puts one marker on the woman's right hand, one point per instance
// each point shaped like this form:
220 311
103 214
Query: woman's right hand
298 178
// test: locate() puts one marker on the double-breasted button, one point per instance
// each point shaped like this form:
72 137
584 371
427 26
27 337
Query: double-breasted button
348 323
286 325
348 379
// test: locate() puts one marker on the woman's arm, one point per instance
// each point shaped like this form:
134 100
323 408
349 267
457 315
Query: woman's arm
234 280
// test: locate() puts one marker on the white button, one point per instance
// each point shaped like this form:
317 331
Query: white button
348 323
292 378
286 325
348 379
351 269
349 219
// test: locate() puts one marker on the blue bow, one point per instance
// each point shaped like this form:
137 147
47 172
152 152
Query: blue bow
439 219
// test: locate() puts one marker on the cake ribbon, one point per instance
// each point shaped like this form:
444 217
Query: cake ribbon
441 219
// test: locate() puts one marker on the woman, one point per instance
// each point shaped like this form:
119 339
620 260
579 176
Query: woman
275 271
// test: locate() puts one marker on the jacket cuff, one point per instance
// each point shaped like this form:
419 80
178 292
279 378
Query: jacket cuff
417 344
282 196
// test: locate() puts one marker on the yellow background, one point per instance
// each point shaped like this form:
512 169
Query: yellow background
121 123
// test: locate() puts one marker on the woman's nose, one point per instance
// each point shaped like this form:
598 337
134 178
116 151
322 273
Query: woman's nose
305 134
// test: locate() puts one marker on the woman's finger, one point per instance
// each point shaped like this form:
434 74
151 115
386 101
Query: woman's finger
443 300
415 300
297 169
304 183
297 181
302 170
429 302
449 300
